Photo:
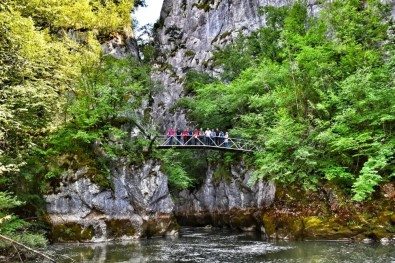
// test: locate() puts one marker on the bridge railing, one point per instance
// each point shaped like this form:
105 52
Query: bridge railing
166 141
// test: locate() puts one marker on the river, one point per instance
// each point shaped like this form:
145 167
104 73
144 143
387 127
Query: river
223 245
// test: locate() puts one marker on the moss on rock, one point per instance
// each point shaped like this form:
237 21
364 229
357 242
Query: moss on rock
72 232
269 225
392 219
323 228
118 228
204 4
282 226
327 213
190 53
160 226
243 220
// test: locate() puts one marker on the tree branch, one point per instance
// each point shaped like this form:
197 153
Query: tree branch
28 248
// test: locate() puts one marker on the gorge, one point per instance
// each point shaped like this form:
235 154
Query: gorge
83 102
187 34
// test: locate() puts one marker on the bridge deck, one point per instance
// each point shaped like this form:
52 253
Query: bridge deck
219 143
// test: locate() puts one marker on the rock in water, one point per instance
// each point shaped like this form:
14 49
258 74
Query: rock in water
138 205
225 201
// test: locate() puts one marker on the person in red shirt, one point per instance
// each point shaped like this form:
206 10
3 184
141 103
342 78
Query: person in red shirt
185 136
171 134
195 136
201 136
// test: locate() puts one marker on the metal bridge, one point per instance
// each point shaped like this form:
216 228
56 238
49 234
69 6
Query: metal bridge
216 143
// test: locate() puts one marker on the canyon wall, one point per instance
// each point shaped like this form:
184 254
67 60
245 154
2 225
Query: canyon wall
137 205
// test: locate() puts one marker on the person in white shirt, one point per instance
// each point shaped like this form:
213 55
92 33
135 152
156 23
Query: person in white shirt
226 140
207 138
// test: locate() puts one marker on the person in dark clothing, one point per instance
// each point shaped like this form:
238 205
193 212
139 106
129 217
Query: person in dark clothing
185 136
178 133
212 138
217 136
221 138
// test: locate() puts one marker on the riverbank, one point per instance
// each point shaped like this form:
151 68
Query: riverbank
330 214
293 213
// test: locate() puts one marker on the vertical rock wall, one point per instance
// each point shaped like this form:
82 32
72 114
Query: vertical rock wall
138 205
225 201
189 32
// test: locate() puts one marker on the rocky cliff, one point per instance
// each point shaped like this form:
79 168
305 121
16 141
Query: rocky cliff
225 200
138 205
189 31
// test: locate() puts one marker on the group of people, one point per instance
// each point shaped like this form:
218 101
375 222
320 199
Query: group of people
190 136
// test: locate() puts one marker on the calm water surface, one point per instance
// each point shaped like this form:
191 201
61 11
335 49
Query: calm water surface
218 245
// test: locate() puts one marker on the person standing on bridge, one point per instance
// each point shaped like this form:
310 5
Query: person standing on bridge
185 136
226 140
207 138
190 134
221 139
201 136
217 136
195 136
171 134
178 133
212 136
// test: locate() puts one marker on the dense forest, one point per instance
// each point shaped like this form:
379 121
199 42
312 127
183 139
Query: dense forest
316 93
59 94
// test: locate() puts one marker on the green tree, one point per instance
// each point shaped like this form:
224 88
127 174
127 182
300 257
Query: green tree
45 46
319 100
15 228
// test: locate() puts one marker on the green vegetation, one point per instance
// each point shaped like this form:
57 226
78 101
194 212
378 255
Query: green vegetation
100 113
174 165
15 228
315 92
59 95
190 53
204 4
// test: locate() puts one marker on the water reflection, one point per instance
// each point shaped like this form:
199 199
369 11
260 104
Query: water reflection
206 245
329 252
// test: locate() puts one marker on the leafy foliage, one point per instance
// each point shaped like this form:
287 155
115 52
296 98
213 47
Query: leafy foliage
105 16
316 92
101 112
177 176
46 49
14 227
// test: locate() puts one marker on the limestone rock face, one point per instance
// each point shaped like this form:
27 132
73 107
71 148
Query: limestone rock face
121 46
190 30
189 33
225 201
139 205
